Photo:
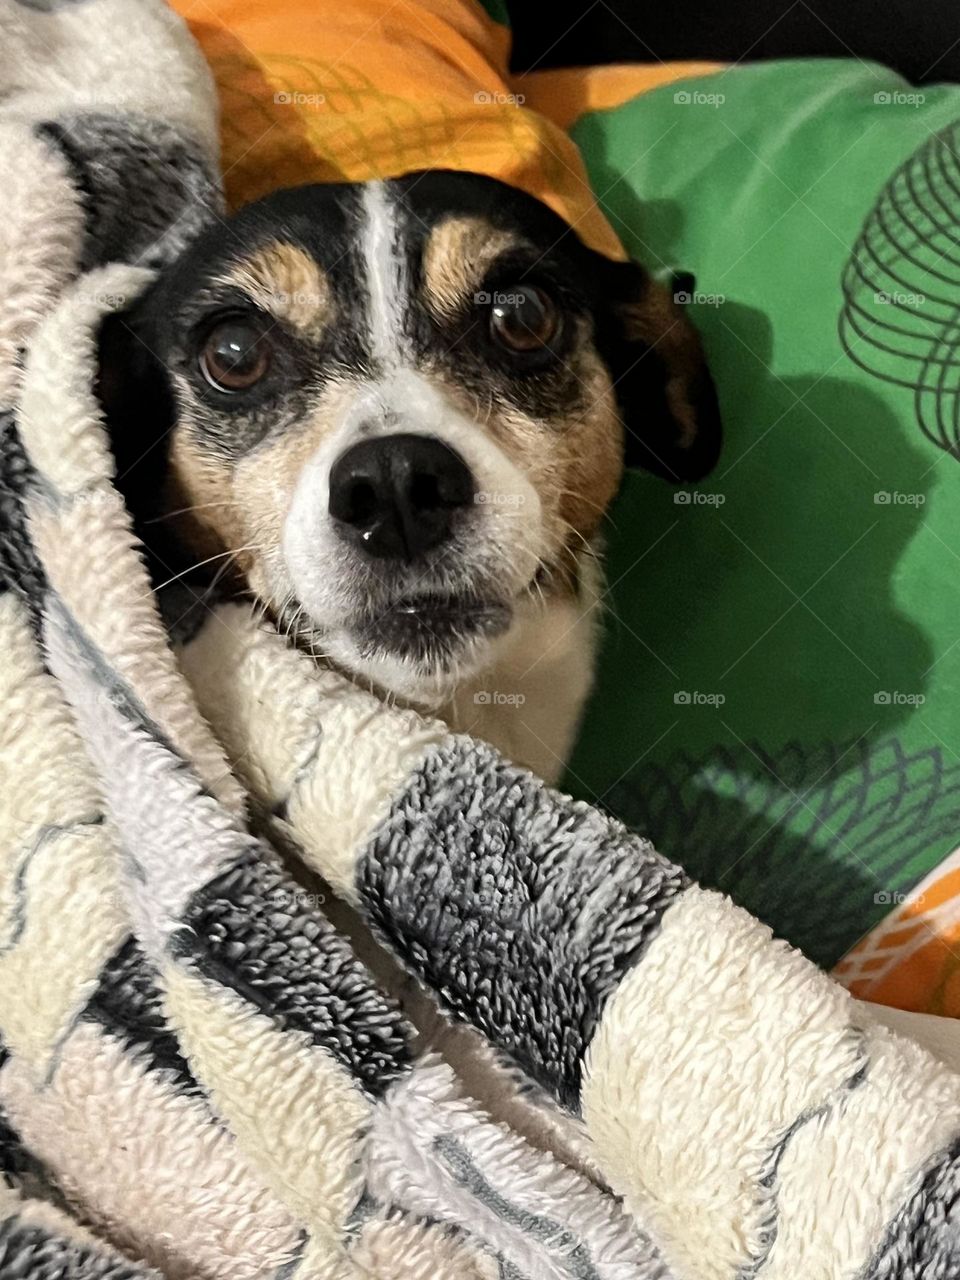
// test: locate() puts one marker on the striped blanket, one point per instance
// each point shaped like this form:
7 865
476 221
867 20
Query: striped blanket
295 984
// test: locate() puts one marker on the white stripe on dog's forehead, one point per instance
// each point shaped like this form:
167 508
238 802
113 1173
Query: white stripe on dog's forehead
385 268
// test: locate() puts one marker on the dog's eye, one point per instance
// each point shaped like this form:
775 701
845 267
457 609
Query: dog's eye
235 355
524 318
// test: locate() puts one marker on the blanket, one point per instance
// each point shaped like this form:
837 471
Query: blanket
297 984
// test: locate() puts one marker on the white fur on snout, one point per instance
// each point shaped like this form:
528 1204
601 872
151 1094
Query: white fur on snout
494 553
385 272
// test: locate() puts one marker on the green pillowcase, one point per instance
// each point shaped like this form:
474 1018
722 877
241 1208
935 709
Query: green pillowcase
778 703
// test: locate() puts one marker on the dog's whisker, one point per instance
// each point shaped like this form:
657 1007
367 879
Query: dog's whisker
575 532
200 564
579 496
297 626
222 571
198 506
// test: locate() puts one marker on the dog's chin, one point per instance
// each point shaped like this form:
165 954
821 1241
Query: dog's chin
421 649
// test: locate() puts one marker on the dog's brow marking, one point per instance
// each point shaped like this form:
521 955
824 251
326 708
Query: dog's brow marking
458 253
385 272
286 281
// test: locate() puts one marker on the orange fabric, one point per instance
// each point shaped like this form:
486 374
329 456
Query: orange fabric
315 91
911 960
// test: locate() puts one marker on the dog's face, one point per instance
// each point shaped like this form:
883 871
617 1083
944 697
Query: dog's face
403 407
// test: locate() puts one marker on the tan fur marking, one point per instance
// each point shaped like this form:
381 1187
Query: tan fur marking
575 463
589 454
284 280
574 460
458 254
208 516
227 505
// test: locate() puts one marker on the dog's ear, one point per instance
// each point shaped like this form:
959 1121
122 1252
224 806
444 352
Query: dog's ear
667 399
137 401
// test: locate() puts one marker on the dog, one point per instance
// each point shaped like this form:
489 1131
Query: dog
399 410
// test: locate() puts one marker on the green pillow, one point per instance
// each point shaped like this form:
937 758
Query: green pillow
778 703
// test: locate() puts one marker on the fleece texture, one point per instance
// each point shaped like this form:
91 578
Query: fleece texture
296 984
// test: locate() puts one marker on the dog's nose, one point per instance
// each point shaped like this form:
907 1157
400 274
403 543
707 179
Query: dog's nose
396 496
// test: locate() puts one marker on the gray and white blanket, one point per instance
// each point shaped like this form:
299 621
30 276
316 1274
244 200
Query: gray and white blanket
209 1067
